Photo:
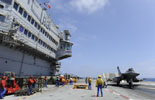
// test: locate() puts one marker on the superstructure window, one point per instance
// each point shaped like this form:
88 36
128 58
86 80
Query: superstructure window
32 21
36 38
7 1
45 33
41 42
62 46
2 18
29 34
32 37
29 18
56 43
36 24
68 47
50 38
25 14
15 5
21 29
25 31
44 44
41 30
38 27
20 10
53 50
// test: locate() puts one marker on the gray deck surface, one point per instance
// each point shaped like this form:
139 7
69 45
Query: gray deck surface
68 93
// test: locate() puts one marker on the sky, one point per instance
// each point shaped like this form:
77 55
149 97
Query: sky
107 34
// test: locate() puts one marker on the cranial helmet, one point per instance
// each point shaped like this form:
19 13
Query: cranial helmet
99 76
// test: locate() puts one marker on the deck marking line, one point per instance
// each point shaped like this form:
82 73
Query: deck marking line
124 97
95 93
116 93
113 92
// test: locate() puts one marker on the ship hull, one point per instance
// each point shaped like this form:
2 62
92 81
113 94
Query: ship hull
22 63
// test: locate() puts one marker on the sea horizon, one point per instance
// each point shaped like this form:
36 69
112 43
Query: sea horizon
149 79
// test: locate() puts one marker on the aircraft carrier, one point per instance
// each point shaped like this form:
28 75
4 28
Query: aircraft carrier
30 43
143 91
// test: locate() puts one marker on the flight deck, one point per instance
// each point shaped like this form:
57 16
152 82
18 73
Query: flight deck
142 91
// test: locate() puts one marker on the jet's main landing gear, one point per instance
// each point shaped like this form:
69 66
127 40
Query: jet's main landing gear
131 86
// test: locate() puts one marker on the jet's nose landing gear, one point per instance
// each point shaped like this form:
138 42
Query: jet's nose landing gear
118 83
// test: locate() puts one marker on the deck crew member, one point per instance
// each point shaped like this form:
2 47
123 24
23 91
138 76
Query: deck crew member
61 77
99 84
63 81
13 80
89 83
35 81
86 80
71 81
2 86
57 81
45 79
30 83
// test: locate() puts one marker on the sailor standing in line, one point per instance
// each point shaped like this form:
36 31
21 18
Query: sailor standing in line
34 84
63 81
89 83
57 81
71 81
2 87
45 79
30 83
86 80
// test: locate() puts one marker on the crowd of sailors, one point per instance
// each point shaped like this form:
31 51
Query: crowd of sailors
61 80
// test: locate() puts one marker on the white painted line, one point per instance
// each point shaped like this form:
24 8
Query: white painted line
116 93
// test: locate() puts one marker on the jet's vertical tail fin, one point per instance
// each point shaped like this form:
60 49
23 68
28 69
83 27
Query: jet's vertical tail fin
119 72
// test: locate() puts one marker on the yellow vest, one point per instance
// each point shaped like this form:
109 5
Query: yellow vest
89 80
99 81
63 80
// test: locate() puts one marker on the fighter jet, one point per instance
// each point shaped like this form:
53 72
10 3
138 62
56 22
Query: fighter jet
130 76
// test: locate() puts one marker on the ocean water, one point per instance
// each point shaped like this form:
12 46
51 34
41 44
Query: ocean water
150 79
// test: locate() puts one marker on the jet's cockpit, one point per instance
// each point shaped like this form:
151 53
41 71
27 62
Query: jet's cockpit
130 70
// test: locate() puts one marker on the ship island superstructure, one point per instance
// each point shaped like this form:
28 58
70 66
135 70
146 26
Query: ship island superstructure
30 43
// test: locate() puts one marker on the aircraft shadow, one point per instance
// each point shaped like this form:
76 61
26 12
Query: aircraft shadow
125 86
